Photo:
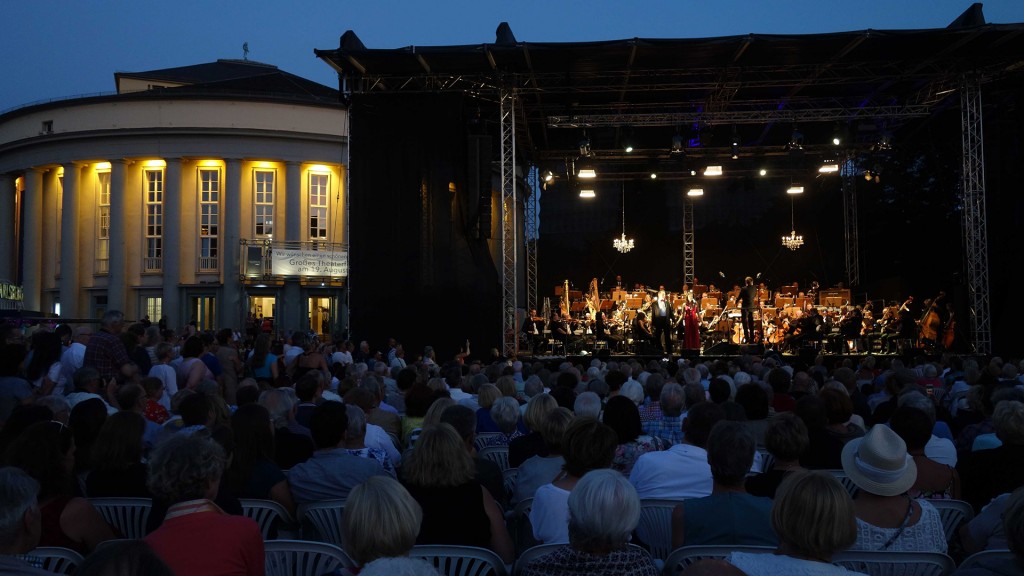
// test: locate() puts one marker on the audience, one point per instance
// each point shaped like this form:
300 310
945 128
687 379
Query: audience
986 474
386 505
934 480
355 440
786 440
539 470
622 416
119 470
668 425
532 443
20 523
682 471
252 472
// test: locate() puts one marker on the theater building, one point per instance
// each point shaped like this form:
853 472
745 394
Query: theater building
204 193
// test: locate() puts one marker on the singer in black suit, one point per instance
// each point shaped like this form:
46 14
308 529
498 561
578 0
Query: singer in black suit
661 319
748 303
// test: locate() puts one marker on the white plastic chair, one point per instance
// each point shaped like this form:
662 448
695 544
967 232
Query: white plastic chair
301 557
265 513
681 558
483 440
127 515
985 556
496 454
509 478
519 527
532 554
58 560
889 563
655 527
324 518
953 514
461 560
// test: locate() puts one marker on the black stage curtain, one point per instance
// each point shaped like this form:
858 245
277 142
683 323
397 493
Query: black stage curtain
420 270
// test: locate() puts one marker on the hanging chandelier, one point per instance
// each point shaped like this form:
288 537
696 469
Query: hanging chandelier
793 241
623 244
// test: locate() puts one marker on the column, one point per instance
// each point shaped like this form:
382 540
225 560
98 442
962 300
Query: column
230 308
172 255
69 257
117 274
7 239
32 269
293 202
291 307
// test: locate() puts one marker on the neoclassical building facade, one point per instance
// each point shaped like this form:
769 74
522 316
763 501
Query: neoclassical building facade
205 193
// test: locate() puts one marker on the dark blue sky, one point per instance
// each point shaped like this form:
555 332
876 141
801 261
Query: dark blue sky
60 48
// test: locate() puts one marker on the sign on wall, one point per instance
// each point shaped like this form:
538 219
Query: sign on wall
297 262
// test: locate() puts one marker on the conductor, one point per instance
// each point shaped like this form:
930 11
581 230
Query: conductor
748 303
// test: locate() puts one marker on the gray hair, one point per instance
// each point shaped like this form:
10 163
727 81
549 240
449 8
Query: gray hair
588 404
183 466
111 317
505 413
691 376
634 391
672 399
604 509
398 566
730 452
279 403
915 399
533 386
356 422
18 493
153 336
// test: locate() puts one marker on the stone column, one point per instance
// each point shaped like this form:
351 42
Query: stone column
230 308
32 239
172 254
117 273
293 202
69 244
7 216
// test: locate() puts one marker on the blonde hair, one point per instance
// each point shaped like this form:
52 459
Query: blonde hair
507 386
384 504
440 459
433 415
813 515
487 395
537 410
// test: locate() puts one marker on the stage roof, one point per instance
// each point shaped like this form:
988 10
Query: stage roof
756 89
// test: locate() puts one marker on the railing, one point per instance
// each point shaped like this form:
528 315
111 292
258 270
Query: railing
326 260
209 263
153 264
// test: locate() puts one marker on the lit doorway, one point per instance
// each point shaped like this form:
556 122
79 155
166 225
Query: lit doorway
204 312
321 316
263 308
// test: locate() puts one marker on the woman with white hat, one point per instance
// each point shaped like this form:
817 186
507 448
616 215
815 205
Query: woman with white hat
887 518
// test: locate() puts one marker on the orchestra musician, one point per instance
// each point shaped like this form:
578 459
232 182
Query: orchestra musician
661 319
805 329
642 333
747 302
532 328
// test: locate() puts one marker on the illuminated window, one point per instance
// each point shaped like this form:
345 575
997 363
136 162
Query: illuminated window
103 223
263 202
209 219
154 198
153 307
318 206
60 217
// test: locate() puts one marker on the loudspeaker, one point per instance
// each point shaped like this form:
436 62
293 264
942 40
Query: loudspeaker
723 349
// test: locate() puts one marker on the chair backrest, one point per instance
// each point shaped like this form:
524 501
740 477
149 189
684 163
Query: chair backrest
291 557
767 460
127 515
519 526
681 558
953 514
265 513
483 440
889 563
845 480
58 560
461 560
532 554
655 526
496 454
322 520
509 476
986 556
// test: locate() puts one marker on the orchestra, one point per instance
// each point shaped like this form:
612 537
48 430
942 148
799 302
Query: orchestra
645 320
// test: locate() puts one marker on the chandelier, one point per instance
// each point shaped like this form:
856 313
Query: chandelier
793 241
623 244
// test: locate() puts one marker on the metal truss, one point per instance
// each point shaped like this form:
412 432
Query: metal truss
509 223
532 200
754 116
975 228
688 252
850 223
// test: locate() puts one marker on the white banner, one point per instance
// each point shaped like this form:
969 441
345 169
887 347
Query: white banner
289 262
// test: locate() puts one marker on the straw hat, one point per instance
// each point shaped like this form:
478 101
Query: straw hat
878 463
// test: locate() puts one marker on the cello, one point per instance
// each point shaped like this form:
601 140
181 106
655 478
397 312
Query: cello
928 331
949 332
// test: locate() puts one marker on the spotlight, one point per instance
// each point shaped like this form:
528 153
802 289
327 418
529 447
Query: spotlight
628 148
585 146
695 192
654 175
829 167
796 141
713 171
763 172
795 190
735 144
547 176
678 144
586 170
587 193
627 143
837 134
693 172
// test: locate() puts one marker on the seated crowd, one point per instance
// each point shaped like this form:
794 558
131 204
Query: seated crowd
750 450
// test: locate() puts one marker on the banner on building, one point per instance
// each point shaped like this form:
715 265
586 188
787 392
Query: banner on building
297 262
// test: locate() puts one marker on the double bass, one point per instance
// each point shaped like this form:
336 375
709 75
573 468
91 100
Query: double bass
931 323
